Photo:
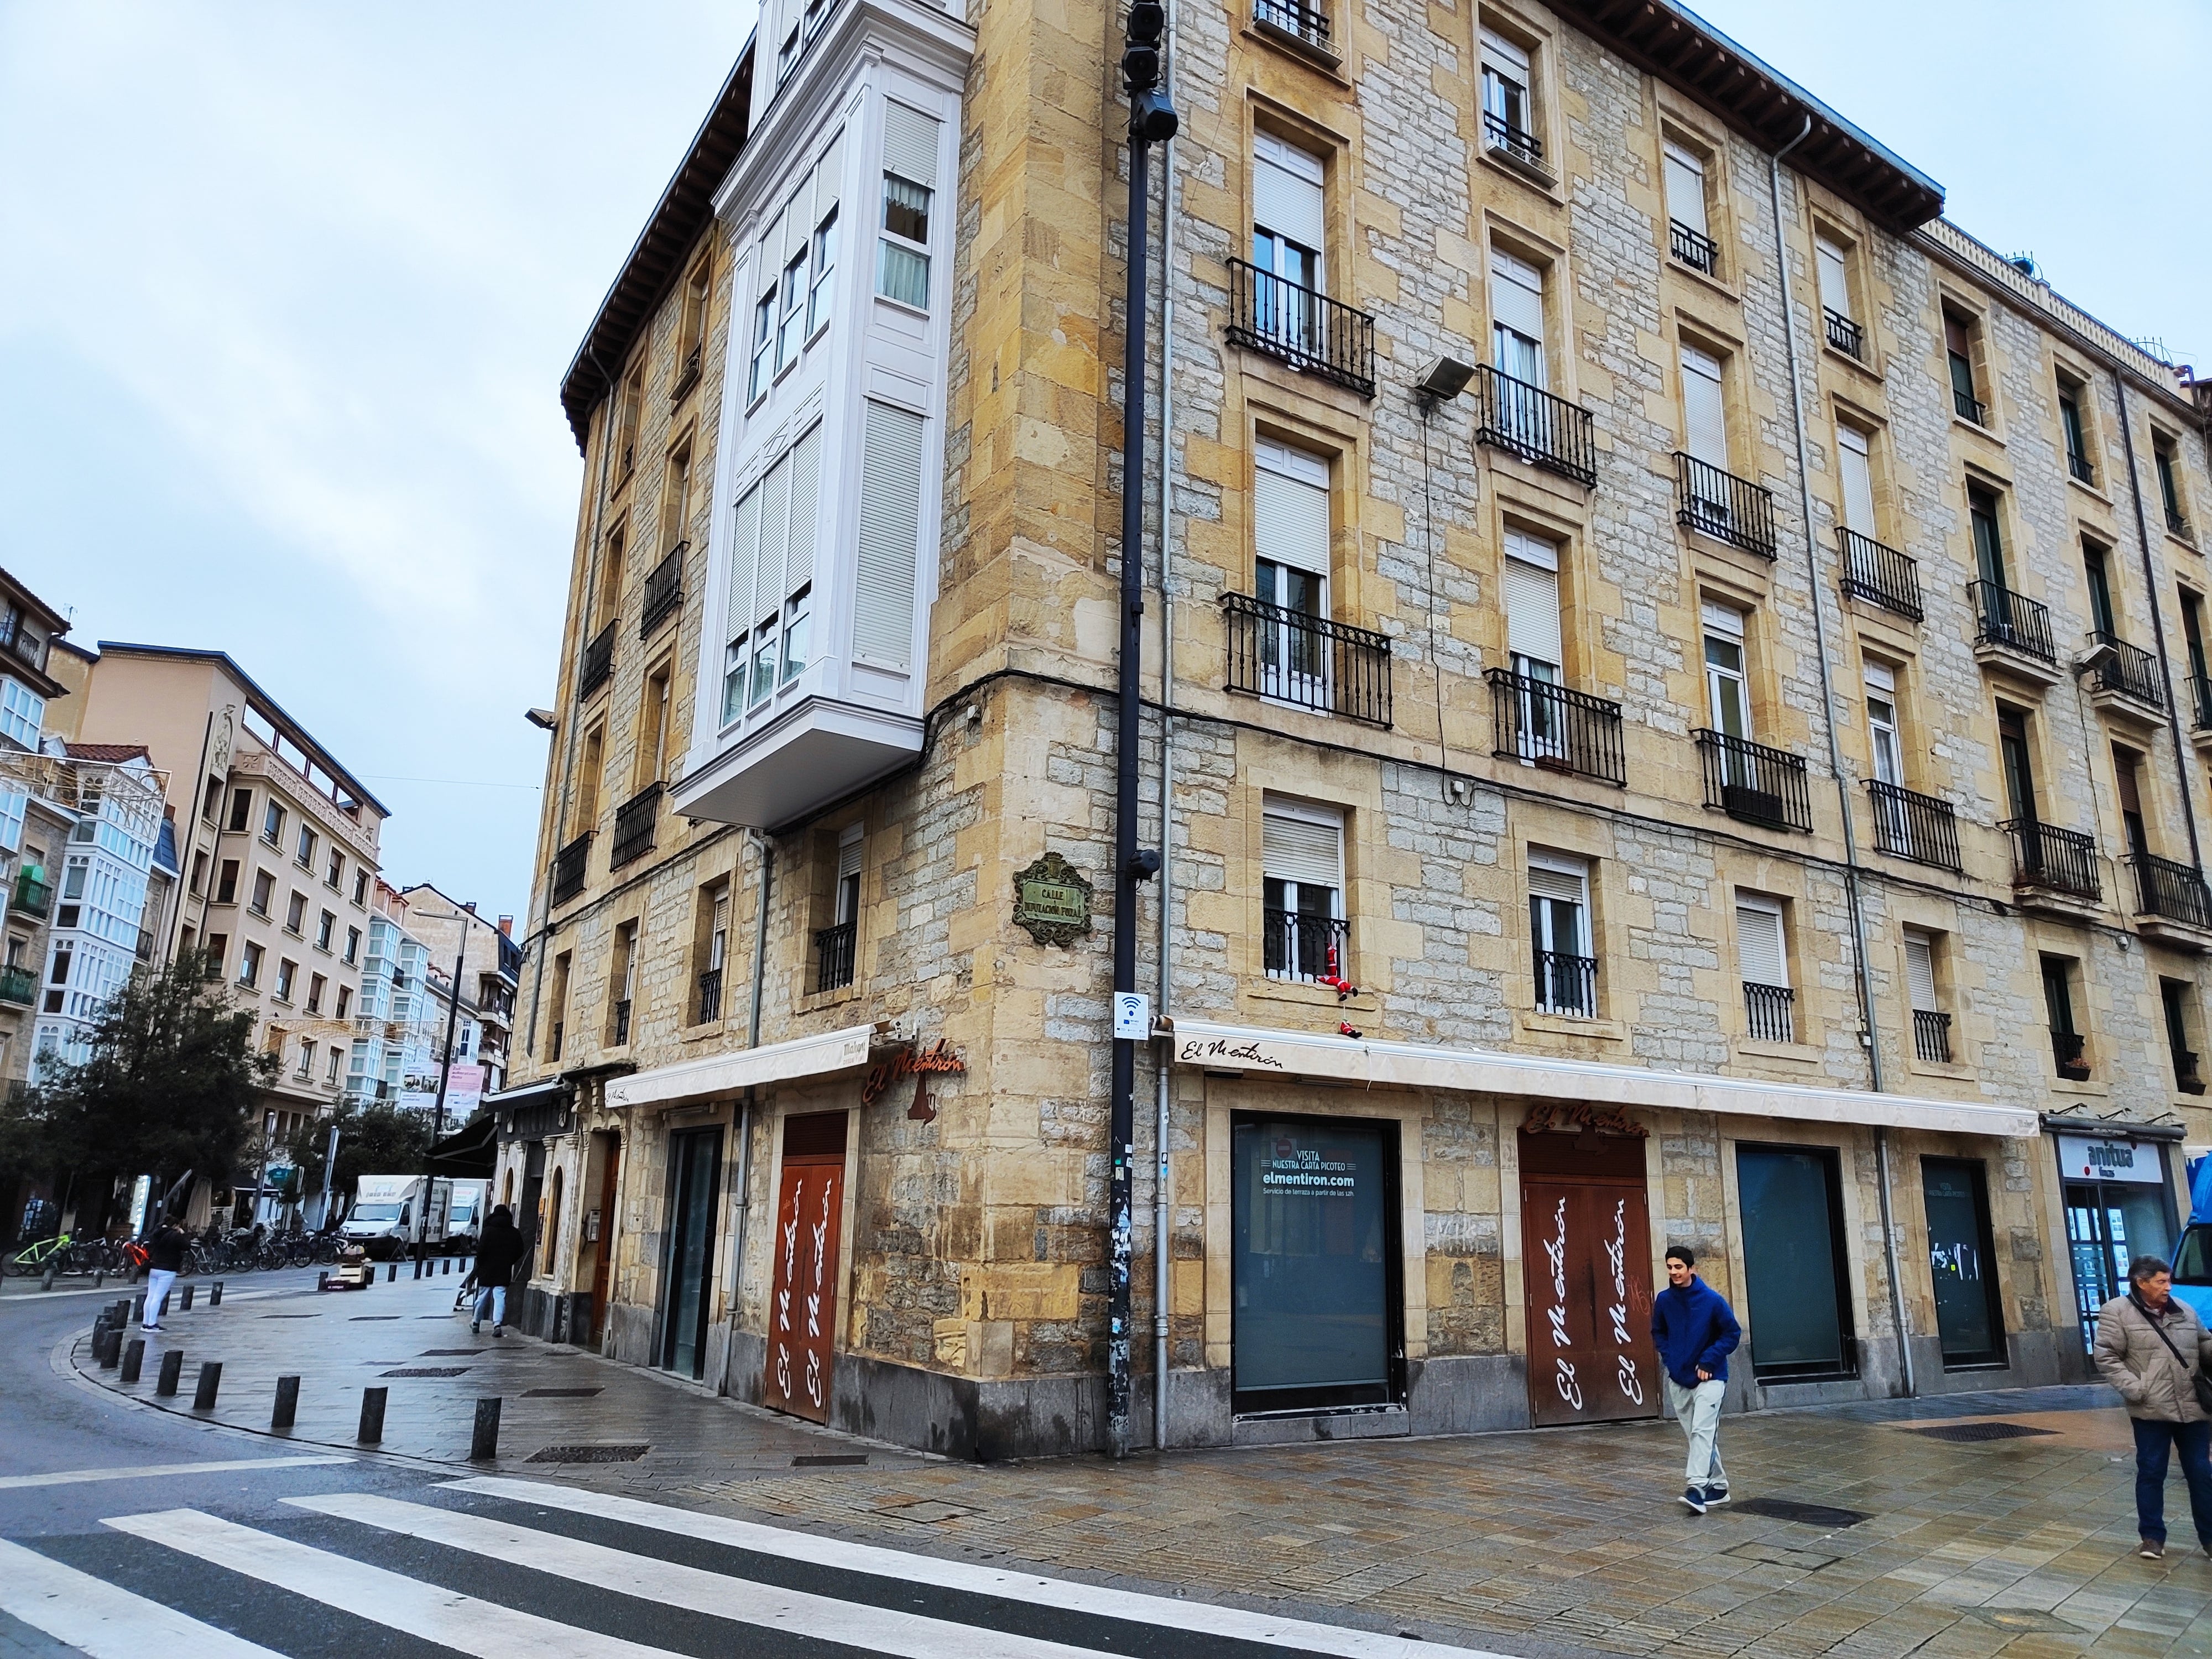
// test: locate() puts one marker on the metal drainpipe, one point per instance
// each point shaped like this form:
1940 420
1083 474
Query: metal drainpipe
1162 1207
2157 625
1835 751
767 850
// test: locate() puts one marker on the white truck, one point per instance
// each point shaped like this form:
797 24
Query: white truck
390 1213
466 1213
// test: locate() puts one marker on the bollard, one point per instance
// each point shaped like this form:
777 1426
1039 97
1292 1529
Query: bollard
372 1416
186 1305
447 1270
46 1279
120 1313
134 1357
287 1402
139 1309
392 1276
215 1295
323 1281
99 1276
109 1349
210 1380
418 1267
173 1367
483 1444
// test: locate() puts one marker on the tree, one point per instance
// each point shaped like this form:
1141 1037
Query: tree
167 1084
378 1139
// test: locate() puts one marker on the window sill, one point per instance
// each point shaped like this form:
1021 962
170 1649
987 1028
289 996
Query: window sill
2092 1090
1298 992
2089 489
1953 1070
1682 267
1989 433
883 299
1292 44
2183 541
1570 1025
1856 365
1534 175
843 993
1790 1053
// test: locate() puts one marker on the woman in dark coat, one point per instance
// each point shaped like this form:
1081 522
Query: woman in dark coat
498 1253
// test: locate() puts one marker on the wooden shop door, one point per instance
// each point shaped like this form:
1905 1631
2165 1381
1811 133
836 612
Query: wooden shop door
600 1223
802 1316
1586 1264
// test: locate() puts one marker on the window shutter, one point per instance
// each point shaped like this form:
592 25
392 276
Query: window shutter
1505 57
829 177
1286 191
910 145
1532 610
890 527
1855 464
804 509
1516 294
1291 508
1303 847
848 858
775 531
798 223
1724 620
1553 877
1835 286
1920 970
738 613
1881 678
1685 188
1706 415
1758 942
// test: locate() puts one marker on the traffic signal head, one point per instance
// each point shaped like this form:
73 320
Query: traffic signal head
1148 21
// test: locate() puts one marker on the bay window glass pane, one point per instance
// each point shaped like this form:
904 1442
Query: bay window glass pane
902 275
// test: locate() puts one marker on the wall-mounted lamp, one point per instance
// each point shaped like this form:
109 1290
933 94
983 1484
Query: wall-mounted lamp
1444 379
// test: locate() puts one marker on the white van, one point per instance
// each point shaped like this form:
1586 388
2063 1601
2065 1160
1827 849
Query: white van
388 1214
466 1214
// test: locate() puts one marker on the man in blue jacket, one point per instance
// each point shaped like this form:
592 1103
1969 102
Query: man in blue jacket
1694 1331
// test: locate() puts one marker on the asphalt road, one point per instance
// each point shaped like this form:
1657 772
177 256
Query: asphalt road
127 1533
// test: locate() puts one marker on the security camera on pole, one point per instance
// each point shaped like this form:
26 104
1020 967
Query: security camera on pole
1152 121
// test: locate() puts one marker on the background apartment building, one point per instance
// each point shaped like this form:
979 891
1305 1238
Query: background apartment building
1675 676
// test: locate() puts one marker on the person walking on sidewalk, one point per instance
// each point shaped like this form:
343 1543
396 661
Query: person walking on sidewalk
498 1252
2151 1347
1694 1330
164 1260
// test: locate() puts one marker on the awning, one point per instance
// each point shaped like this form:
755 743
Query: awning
468 1154
718 1076
1256 1049
527 1094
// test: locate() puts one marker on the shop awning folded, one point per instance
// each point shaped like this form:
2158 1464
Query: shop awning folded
527 1094
1263 1052
716 1077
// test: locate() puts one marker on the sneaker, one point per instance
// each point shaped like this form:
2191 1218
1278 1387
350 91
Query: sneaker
2151 1549
475 1327
499 1330
1716 1495
156 1329
1695 1497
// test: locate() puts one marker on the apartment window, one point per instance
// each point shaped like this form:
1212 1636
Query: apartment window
1838 317
1516 318
305 854
211 803
264 889
336 872
22 713
316 985
296 914
791 329
2166 460
326 925
1931 1026
1689 236
1559 934
890 539
772 575
1959 354
822 266
60 972
1855 461
242 810
216 947
1881 724
556 1004
590 768
764 346
1290 571
715 953
2174 997
2099 580
624 981
1287 230
2072 429
1532 606
272 824
835 947
225 883
2018 763
1508 111
344 1008
1988 537
2127 784
2067 1044
692 334
199 872
2193 633
361 887
606 603
1705 417
909 181
1301 858
337 1059
676 501
249 964
1727 690
307 1059
1769 1004
352 944
652 738
286 971
633 398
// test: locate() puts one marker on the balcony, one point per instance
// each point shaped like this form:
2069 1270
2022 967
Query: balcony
1880 575
1303 23
1693 248
569 866
1528 422
1770 1012
2013 632
2200 703
1931 1036
2066 1052
1969 407
1302 946
2186 1077
663 591
2177 526
1306 329
2052 860
1723 506
2081 468
18 985
1846 335
710 997
1916 828
1550 727
1288 656
1525 150
2172 902
33 896
622 1023
834 951
633 824
1566 984
1754 784
597 664
2124 671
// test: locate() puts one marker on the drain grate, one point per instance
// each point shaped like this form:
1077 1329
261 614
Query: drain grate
589 1454
450 1353
560 1393
1973 1432
288 1316
828 1461
426 1370
1805 1514
364 1319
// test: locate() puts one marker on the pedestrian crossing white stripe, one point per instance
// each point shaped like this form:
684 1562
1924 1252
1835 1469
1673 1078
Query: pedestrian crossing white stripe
466 1624
671 1583
1202 1618
104 1622
152 1471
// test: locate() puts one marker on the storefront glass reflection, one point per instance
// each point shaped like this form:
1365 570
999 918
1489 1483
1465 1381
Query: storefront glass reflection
1961 1262
1315 1263
2116 1208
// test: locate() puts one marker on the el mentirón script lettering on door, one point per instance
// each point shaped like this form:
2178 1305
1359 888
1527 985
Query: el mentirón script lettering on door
803 1304
1586 1253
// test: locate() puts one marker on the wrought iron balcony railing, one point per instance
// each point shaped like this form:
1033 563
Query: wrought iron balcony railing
2007 618
1970 406
1932 1035
1529 422
663 591
33 896
1501 134
622 1022
833 955
1552 726
1770 1012
18 985
598 662
1723 506
1757 785
633 825
1307 329
1919 827
553 1047
688 375
2200 702
2079 465
570 864
2177 524
1302 946
710 996
2066 1050
1879 575
2129 670
1694 247
1566 984
1309 25
1292 656
2063 861
2176 891
2186 1076
1846 335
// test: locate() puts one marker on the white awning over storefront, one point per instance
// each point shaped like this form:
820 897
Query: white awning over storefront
718 1076
1260 1051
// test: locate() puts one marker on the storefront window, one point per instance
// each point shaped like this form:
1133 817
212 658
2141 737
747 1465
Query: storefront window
1794 1262
1315 1263
1961 1261
2117 1209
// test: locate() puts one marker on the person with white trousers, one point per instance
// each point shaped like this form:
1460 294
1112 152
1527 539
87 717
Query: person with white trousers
164 1260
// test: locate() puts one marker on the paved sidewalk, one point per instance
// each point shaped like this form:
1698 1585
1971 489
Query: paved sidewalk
1562 1538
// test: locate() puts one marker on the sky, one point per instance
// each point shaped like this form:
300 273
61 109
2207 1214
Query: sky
287 291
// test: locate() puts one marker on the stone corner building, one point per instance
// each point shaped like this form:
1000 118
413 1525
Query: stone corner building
1728 773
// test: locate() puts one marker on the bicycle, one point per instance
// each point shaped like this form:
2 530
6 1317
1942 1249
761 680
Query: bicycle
34 1257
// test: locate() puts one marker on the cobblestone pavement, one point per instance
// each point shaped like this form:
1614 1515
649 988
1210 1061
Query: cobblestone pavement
1554 1539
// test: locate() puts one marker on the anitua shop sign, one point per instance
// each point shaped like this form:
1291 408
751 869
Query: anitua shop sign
2088 1157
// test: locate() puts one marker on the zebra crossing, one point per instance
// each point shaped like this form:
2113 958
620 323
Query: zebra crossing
504 1569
